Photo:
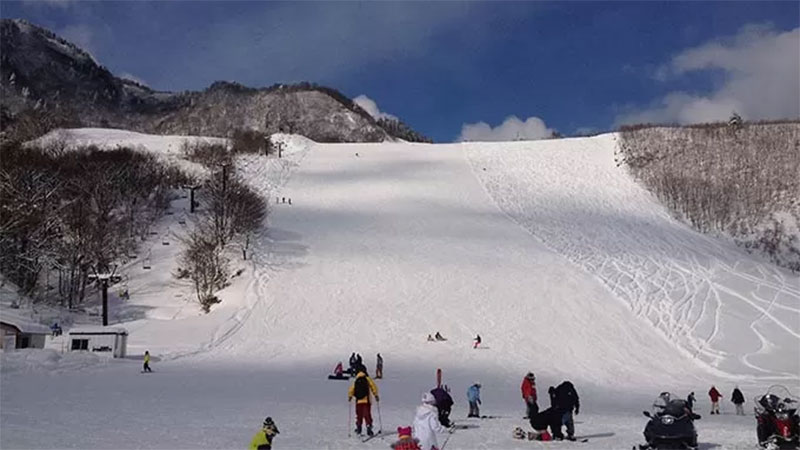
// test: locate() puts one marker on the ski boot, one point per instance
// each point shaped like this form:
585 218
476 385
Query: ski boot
358 431
369 431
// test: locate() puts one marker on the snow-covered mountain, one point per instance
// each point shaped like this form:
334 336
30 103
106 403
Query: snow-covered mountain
38 68
554 255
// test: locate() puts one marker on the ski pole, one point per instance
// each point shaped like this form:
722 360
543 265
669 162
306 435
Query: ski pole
349 413
448 438
380 421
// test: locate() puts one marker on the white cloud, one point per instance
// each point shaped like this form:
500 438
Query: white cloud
369 105
512 129
761 68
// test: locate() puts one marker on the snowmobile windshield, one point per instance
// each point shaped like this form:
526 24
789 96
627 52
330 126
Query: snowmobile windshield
777 398
669 404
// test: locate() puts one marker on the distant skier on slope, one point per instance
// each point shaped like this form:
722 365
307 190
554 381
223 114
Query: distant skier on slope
474 398
146 365
738 399
264 437
690 399
439 337
528 389
360 389
714 395
444 403
477 341
379 367
431 339
426 423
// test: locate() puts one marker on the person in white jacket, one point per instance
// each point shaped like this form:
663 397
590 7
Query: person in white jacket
426 423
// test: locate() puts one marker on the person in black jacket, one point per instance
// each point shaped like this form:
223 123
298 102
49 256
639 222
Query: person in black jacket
565 400
690 400
738 399
444 403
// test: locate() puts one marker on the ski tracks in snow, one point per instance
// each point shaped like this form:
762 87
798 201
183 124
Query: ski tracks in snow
720 305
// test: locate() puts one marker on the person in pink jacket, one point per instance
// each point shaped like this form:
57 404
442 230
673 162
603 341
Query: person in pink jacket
714 395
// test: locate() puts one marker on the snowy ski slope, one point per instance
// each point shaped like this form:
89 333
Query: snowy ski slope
561 262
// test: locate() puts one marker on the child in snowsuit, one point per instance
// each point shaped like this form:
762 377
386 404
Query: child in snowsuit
426 423
405 441
528 389
474 398
360 389
263 438
444 403
146 366
738 399
714 395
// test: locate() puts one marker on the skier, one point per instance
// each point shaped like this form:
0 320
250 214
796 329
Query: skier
477 341
146 367
379 367
405 441
714 394
263 438
359 361
738 399
431 339
566 400
474 398
426 423
444 403
439 337
690 400
360 389
529 395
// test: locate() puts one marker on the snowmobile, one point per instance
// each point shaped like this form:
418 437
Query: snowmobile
777 422
671 425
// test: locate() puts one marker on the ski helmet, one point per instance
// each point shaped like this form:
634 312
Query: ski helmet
270 425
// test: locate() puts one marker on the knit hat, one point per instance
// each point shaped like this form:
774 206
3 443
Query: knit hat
403 432
427 398
270 425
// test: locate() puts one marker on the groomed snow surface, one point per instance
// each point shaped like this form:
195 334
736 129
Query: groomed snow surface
562 263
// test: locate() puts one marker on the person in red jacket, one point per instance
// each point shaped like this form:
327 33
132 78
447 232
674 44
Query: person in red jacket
714 394
529 395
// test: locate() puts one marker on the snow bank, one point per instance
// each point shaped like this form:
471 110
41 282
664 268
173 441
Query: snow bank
30 360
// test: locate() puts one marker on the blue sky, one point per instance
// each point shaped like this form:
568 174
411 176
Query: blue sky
445 67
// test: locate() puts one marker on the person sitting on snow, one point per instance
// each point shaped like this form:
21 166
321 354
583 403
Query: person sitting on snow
439 337
264 437
405 441
426 423
431 339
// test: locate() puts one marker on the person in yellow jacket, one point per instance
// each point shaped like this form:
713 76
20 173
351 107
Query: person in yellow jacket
263 438
146 367
360 389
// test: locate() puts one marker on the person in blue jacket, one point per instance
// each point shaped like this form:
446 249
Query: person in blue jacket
474 398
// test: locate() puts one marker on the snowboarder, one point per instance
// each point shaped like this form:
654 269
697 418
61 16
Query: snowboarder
263 438
529 395
146 367
360 389
477 341
338 373
405 441
444 403
430 338
566 400
714 395
541 421
690 400
379 367
738 399
474 398
426 423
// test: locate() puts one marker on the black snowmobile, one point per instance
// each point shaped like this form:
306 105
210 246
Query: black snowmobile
671 425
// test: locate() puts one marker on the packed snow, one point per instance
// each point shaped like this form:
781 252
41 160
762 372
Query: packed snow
556 257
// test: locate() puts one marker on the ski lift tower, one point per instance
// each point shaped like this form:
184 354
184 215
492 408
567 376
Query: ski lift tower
104 278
